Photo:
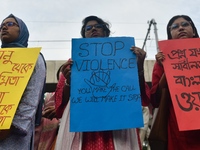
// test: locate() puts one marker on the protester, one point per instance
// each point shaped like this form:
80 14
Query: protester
46 132
14 33
179 27
127 139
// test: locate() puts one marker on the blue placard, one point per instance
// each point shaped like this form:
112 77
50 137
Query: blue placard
105 93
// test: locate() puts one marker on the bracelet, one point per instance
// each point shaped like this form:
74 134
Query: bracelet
67 83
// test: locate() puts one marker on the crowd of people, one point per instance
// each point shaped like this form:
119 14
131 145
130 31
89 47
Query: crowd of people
52 132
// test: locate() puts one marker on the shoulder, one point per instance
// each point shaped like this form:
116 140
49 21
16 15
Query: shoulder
41 61
40 64
40 68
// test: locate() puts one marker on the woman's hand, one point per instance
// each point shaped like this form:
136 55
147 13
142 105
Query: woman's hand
160 57
49 112
141 54
66 70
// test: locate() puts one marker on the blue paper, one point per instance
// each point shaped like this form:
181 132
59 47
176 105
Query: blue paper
105 93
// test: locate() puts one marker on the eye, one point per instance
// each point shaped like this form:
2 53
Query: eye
99 26
87 28
174 26
185 24
9 24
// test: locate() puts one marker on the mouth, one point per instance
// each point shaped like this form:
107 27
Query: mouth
4 33
94 34
182 35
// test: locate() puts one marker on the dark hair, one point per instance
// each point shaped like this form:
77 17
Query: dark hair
106 26
186 18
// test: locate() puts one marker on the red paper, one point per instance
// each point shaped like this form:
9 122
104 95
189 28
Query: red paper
182 69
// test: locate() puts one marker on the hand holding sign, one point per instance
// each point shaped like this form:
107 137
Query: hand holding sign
160 57
66 70
141 54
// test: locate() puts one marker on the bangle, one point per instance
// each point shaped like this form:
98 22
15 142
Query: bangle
67 83
141 73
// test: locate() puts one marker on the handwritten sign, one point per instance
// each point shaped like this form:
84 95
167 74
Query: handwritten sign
182 69
17 65
105 93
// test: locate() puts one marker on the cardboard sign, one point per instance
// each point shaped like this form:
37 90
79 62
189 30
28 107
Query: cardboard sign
17 65
182 69
105 93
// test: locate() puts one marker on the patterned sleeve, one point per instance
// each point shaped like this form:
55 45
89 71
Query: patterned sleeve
59 96
25 115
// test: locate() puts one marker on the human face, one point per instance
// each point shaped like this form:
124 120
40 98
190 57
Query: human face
181 29
94 31
9 33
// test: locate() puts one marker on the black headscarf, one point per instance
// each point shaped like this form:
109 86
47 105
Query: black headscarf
22 40
186 18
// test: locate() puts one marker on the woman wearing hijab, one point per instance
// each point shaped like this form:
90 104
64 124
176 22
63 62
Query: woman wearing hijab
127 139
14 33
179 27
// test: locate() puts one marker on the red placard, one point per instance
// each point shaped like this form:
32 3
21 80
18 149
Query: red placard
182 69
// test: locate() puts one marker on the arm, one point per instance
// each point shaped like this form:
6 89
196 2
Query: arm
62 93
66 94
144 89
25 114
59 97
163 82
142 82
157 75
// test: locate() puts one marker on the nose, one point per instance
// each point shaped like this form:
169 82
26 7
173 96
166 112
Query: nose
3 26
93 27
181 27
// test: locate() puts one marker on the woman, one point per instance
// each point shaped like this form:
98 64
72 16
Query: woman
179 27
14 33
46 132
106 140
